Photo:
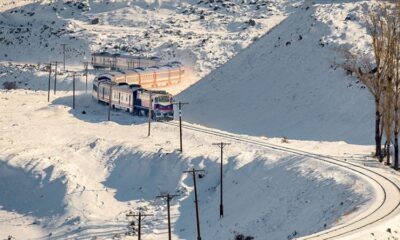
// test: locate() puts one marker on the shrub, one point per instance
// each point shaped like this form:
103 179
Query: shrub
10 85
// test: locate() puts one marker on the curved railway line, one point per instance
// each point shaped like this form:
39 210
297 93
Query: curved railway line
386 204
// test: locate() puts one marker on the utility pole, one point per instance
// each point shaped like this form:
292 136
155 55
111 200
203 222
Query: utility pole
221 205
180 104
48 89
140 216
168 197
150 110
64 44
193 172
86 65
55 77
73 90
110 102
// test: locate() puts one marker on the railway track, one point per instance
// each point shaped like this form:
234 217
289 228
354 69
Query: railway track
386 204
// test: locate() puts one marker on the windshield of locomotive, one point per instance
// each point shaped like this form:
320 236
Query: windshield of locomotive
163 98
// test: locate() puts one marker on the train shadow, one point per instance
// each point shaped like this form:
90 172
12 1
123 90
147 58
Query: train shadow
89 110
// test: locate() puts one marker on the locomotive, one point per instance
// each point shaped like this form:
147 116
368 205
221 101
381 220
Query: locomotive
133 98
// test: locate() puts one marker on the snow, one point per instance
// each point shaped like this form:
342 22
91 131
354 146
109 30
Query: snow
288 84
101 170
70 174
201 34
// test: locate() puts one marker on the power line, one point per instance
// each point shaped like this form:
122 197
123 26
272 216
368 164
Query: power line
140 217
221 206
63 45
150 111
48 89
193 172
86 65
168 197
180 104
55 76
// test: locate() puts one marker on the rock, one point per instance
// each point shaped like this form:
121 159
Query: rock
10 85
252 22
95 21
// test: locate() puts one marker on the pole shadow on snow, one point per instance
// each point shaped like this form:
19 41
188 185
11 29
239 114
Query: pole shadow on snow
29 193
106 231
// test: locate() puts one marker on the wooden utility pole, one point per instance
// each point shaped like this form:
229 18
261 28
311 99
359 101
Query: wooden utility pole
55 77
64 44
86 66
180 104
140 217
221 205
150 110
168 197
73 90
193 172
110 102
48 89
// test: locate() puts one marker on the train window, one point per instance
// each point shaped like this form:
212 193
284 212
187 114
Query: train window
163 98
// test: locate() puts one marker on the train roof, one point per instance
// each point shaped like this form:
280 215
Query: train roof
113 75
119 55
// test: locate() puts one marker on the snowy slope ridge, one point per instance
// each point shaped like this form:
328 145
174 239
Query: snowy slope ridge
82 184
286 84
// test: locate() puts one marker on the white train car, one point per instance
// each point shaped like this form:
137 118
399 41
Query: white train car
122 62
152 77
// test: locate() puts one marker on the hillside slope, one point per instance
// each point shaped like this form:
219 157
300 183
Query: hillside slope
201 34
287 83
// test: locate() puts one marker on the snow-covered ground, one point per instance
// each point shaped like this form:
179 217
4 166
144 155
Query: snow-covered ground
71 174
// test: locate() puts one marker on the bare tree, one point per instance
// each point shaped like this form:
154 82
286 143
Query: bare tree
375 74
395 47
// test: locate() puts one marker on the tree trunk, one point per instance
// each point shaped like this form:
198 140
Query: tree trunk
378 139
396 152
387 150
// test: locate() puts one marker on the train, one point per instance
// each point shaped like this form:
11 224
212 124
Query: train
133 98
122 62
152 77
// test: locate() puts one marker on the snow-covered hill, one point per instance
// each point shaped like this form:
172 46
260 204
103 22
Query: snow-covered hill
201 34
288 84
69 174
